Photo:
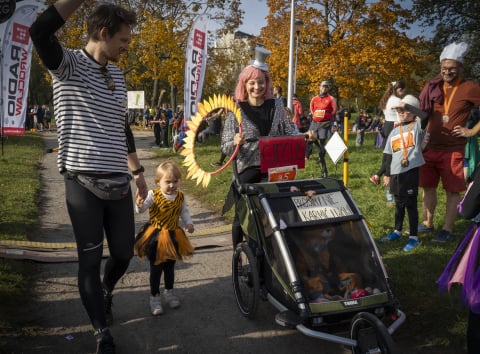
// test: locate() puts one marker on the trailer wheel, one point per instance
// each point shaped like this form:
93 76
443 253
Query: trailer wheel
246 280
371 335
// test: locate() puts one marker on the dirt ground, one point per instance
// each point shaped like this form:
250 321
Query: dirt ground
208 320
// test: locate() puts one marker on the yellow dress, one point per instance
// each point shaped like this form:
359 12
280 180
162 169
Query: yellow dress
162 229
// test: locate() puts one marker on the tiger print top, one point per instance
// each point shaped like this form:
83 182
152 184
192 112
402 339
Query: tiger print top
165 210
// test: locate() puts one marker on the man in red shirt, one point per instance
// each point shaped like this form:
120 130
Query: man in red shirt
449 99
323 108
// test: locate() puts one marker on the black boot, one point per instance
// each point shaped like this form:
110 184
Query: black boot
105 343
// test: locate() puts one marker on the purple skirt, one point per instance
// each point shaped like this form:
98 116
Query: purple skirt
463 268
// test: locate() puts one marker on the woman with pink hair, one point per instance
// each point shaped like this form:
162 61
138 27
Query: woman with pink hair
262 115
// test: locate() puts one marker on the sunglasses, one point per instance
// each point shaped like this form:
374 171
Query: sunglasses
108 78
401 110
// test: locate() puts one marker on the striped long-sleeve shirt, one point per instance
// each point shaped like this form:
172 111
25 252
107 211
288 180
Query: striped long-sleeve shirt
90 104
90 117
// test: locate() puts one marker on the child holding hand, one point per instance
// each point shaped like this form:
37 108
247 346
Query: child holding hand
161 240
403 154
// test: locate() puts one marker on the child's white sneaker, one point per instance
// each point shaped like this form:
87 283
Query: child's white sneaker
170 298
156 305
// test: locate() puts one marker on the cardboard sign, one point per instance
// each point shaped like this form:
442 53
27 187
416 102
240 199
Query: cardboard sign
322 206
282 151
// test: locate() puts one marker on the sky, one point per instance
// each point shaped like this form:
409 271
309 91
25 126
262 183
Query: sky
257 10
254 19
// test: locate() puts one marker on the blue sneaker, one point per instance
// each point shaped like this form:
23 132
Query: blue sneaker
422 228
443 236
411 244
392 236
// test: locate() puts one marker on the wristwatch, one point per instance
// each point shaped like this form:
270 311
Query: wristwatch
138 171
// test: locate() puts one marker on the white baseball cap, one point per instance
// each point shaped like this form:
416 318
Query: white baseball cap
412 104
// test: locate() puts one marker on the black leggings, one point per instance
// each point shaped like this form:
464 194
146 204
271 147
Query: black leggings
320 144
91 217
410 204
168 269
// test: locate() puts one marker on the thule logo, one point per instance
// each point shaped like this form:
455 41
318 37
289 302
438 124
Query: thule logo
350 303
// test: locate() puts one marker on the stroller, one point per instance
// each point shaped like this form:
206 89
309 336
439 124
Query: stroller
308 251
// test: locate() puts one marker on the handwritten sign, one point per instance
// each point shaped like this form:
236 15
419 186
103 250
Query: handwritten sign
281 151
322 206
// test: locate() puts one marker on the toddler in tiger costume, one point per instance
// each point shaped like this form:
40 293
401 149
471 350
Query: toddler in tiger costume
161 240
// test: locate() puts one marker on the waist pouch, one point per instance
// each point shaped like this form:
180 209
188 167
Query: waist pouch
108 187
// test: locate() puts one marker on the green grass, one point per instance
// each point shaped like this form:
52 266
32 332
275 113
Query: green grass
434 322
19 210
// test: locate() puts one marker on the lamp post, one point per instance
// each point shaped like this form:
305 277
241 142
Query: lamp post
290 57
298 27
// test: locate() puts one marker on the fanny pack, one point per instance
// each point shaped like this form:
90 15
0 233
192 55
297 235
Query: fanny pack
108 187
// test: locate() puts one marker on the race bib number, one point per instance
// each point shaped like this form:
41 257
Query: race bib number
279 174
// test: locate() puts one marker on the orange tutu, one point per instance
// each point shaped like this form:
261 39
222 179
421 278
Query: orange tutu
166 248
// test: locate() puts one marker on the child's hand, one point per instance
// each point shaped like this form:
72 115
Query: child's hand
189 228
386 181
139 200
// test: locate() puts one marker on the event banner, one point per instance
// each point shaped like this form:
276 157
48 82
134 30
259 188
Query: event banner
15 56
195 65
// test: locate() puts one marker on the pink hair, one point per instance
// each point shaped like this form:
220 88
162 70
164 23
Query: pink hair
252 73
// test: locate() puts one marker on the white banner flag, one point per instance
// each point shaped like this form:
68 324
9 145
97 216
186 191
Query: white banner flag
195 65
136 99
15 56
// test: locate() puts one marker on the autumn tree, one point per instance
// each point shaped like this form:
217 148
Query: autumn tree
360 46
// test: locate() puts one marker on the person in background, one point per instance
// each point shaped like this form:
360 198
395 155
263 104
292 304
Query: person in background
362 124
297 110
146 116
90 96
47 120
162 240
323 108
163 128
403 158
278 94
391 98
448 99
40 113
291 117
380 140
262 115
155 121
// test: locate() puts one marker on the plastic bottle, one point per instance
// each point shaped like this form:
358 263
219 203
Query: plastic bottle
389 198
